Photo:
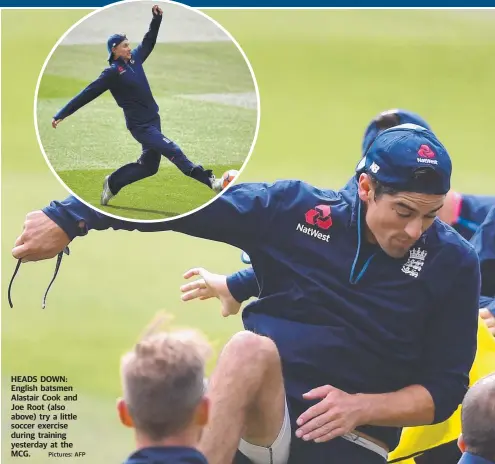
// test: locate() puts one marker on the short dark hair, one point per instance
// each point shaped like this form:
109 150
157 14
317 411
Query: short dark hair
420 180
382 122
478 418
387 120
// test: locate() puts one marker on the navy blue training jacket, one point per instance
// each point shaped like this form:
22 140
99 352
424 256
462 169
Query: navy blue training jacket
369 328
484 244
166 455
127 82
474 209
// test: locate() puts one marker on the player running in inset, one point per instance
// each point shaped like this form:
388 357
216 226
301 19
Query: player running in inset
127 82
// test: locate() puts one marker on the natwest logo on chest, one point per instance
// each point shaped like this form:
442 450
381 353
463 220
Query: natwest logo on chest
320 217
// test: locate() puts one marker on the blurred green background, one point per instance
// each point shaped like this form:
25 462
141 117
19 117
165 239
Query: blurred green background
322 76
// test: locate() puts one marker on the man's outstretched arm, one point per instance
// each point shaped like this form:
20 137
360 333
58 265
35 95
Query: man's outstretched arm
92 91
240 217
144 49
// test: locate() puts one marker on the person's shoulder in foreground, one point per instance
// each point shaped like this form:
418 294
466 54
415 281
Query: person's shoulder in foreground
470 212
166 455
484 244
477 440
484 239
468 458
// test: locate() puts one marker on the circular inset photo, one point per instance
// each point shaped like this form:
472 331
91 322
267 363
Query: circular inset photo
147 110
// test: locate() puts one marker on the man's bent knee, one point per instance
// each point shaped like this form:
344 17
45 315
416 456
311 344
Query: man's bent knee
255 346
150 165
152 169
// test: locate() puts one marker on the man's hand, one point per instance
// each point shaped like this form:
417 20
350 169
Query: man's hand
210 285
157 11
489 319
40 239
335 415
56 122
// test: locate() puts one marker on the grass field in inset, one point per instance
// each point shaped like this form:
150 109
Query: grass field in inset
322 76
207 103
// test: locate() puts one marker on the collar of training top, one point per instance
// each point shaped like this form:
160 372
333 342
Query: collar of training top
398 152
177 454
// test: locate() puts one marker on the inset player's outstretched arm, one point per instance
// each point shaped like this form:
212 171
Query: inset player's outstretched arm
143 50
92 91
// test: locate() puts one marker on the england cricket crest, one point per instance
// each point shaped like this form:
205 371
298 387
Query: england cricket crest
415 262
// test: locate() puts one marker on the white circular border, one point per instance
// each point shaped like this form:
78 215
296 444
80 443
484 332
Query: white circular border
258 117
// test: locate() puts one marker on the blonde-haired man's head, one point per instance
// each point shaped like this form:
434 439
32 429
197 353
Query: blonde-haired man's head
163 388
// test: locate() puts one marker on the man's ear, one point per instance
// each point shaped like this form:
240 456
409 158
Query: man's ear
202 412
461 443
124 414
364 187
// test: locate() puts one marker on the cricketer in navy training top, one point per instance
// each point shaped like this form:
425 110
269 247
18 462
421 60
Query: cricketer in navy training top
465 213
376 328
127 82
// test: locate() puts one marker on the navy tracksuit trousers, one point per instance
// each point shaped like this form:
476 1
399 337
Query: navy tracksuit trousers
155 145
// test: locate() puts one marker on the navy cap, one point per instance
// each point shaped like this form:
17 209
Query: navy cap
113 41
402 116
398 152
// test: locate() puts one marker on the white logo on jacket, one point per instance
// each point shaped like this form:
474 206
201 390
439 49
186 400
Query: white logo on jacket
415 262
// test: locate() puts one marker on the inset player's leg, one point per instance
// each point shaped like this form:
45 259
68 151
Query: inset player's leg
175 155
147 165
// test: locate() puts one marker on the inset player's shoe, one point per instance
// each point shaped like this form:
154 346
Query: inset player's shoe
216 184
106 195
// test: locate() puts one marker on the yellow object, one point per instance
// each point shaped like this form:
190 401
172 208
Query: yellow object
414 440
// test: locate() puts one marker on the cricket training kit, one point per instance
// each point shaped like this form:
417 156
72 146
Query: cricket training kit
340 310
130 88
